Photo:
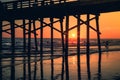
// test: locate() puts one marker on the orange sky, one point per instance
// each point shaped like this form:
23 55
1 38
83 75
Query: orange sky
109 27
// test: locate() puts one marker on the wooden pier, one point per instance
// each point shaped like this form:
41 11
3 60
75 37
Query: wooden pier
57 11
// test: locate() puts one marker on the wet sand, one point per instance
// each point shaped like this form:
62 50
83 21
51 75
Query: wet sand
110 67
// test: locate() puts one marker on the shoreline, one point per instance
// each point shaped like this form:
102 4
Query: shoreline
96 51
37 54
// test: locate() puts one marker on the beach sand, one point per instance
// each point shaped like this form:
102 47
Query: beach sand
109 67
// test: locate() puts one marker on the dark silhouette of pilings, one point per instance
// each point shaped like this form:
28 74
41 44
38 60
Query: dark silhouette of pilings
0 41
41 49
31 22
63 48
88 47
29 50
36 50
66 48
12 50
24 49
99 46
78 48
52 59
0 48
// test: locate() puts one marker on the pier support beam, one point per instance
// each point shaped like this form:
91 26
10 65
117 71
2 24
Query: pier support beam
35 36
78 48
41 50
88 47
29 50
36 50
0 49
12 22
99 46
52 61
63 48
66 48
24 50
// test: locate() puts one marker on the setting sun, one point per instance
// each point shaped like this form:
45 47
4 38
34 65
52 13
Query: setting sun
72 38
73 35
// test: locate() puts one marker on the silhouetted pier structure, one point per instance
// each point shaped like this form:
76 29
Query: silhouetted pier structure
56 11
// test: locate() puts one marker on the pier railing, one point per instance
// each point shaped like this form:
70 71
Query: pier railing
19 4
31 3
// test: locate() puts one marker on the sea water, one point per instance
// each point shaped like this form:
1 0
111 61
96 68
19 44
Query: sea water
6 42
109 65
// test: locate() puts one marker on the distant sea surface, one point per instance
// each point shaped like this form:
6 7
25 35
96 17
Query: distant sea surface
112 44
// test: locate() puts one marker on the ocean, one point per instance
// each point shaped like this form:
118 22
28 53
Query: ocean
110 59
6 42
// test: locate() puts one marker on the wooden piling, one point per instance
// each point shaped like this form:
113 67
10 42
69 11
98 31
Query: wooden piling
88 47
41 50
29 50
0 49
66 48
12 22
63 48
24 50
99 46
52 61
78 47
36 50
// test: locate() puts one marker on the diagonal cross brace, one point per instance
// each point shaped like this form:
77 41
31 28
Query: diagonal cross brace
83 22
78 25
47 25
17 26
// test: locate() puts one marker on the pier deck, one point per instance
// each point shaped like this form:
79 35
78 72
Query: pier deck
26 9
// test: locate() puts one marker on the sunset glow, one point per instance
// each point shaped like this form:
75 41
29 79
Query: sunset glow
109 27
73 35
